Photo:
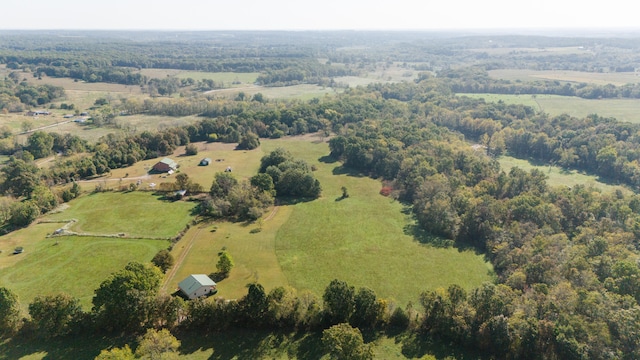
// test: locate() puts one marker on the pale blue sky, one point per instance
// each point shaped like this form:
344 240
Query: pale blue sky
323 14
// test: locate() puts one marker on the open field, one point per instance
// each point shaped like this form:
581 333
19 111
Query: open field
622 109
225 77
557 176
302 92
365 236
244 164
72 264
615 78
530 51
136 214
363 239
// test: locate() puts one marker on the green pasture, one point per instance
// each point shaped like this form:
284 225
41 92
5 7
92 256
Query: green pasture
136 214
361 239
224 77
526 100
302 92
604 78
557 176
622 109
243 163
365 239
71 264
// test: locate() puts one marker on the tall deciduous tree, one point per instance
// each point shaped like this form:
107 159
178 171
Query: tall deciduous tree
19 177
339 301
158 344
54 315
249 141
9 311
225 263
344 342
163 259
40 144
124 301
123 353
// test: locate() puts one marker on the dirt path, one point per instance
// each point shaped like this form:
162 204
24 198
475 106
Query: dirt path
172 273
272 214
143 177
45 127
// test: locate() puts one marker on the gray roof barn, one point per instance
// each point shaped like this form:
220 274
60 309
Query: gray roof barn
197 285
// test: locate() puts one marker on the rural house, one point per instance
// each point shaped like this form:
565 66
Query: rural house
165 165
38 112
197 285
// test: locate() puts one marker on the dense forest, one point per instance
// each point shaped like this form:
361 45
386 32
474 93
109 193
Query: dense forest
566 258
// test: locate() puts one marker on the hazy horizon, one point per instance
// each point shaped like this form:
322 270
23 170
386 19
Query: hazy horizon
286 15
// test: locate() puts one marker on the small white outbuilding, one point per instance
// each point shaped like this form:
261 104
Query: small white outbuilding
197 285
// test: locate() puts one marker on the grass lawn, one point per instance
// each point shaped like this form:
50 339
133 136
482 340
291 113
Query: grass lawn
557 176
137 214
72 264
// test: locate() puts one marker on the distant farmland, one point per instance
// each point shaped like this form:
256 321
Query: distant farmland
622 109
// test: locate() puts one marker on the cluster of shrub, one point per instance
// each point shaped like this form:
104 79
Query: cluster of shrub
17 95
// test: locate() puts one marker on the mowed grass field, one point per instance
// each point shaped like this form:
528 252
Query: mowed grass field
362 239
136 214
557 176
78 264
622 109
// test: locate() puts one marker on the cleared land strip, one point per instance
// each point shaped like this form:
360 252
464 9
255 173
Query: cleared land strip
172 273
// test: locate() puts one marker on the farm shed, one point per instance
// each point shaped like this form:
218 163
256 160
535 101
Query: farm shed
205 161
165 165
197 285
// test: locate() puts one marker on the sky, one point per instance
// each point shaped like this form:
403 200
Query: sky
316 15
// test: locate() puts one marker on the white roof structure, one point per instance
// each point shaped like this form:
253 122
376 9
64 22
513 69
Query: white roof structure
193 282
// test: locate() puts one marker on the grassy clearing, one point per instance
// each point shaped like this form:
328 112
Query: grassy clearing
544 51
362 239
136 214
622 109
557 176
244 164
620 78
72 264
527 100
302 92
225 77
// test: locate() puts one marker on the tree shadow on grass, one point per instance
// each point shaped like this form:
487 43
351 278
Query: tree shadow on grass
424 237
309 346
417 345
245 344
283 201
343 170
327 159
70 347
